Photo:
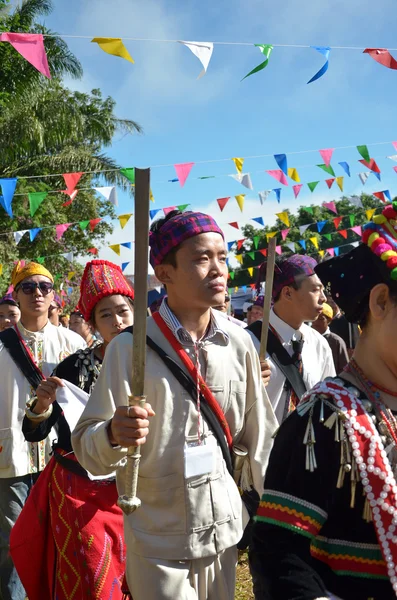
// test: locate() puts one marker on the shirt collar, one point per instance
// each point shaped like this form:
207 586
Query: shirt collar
26 334
182 335
285 331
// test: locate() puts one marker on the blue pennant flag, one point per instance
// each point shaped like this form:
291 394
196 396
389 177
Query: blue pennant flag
244 288
258 220
230 245
320 225
34 232
324 50
376 174
281 160
277 191
387 194
173 180
126 245
303 244
8 186
154 212
336 250
124 265
345 167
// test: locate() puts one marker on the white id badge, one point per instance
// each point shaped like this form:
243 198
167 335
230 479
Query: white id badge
199 460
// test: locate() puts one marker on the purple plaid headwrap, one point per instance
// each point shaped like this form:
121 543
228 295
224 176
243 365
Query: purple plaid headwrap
8 299
286 271
177 230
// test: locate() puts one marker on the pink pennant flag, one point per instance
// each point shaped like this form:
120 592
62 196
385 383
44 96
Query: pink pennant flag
60 229
395 169
279 175
357 229
297 189
331 251
326 155
278 250
31 47
168 209
331 206
329 182
284 233
182 172
10 289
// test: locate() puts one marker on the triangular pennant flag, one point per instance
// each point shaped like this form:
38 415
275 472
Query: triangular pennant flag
329 182
266 50
256 241
277 191
115 248
84 224
263 196
337 221
382 56
284 218
93 250
33 233
108 192
71 275
339 181
326 155
251 255
240 201
113 46
321 253
123 219
234 224
320 225
294 175
395 145
377 175
357 229
151 197
308 209
352 218
94 223
240 259
363 176
331 252
356 200
270 235
302 243
343 233
35 199
258 220
363 150
302 228
331 206
239 164
154 212
31 47
324 50
379 195
182 207
182 171
371 165
387 194
314 241
336 250
18 235
244 179
291 246
297 189
8 186
124 266
279 175
231 273
126 245
284 233
395 169
71 180
60 230
327 169
328 236
278 250
129 173
69 255
203 51
240 244
230 245
312 185
40 260
393 157
281 160
263 252
369 213
72 195
345 167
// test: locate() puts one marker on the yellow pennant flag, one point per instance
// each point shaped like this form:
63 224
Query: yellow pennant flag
240 201
283 216
236 289
151 196
339 181
239 257
271 235
321 253
251 271
124 219
113 46
239 164
370 213
115 248
1 270
293 174
71 274
314 241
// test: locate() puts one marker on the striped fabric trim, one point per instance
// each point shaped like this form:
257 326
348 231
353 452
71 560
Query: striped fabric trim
284 510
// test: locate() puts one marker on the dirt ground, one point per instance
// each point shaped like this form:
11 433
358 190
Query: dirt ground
243 581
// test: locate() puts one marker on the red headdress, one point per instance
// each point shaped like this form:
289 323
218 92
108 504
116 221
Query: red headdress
101 278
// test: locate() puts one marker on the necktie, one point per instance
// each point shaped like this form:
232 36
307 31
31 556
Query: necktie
297 346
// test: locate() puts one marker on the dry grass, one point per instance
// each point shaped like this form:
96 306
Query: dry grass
243 581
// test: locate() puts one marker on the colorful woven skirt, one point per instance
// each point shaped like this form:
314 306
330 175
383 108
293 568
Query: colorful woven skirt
68 542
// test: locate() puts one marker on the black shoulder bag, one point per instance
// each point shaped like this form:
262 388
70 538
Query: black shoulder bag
20 357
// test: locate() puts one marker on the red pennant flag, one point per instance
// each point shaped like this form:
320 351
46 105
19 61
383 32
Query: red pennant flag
252 286
240 243
337 221
343 233
329 182
264 252
379 195
71 180
72 195
222 202
93 250
234 224
94 223
382 56
371 165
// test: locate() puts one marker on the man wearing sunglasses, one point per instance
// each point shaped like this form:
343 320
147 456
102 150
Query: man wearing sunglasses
29 351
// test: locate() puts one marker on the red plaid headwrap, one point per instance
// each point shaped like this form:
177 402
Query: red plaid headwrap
177 230
286 271
101 278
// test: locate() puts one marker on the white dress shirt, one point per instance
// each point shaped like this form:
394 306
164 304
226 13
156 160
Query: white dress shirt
316 359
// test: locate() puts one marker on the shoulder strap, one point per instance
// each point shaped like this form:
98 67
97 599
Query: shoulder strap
20 357
281 359
188 384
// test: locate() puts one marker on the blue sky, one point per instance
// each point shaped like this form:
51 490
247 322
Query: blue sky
218 116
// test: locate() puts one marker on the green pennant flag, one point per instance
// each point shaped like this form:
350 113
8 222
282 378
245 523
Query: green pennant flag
57 276
35 199
182 207
251 255
84 224
308 209
40 260
352 218
231 274
207 177
312 185
266 50
328 169
129 173
230 290
363 150
328 236
256 241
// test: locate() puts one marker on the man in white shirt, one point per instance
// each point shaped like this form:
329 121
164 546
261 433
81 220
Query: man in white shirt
20 461
298 296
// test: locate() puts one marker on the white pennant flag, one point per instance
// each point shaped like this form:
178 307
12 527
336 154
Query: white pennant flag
393 157
355 244
364 176
356 201
68 256
291 246
108 192
18 235
244 179
303 228
203 51
263 196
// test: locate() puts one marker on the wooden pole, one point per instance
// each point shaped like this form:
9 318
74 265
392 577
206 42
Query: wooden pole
271 260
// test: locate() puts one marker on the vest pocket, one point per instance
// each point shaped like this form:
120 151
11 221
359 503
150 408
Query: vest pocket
163 501
5 448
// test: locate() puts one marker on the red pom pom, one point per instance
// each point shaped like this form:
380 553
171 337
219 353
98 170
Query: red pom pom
377 243
392 262
366 234
389 212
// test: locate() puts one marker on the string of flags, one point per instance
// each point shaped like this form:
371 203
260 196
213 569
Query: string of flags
31 47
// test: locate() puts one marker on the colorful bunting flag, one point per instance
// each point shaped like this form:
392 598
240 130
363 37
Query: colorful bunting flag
123 219
258 220
387 194
222 202
281 160
326 155
182 172
18 235
331 206
251 255
302 243
240 201
382 56
343 233
312 185
124 266
324 50
278 250
168 209
302 228
115 248
284 218
277 191
370 213
363 177
291 246
380 196
294 175
371 165
331 252
203 51
126 245
93 251
337 221
251 271
33 233
284 233
256 241
84 224
329 182
60 230
320 225
270 235
182 207
279 175
327 169
72 195
113 46
234 224
356 200
71 180
239 162
336 250
266 50
393 157
154 212
328 236
263 252
363 150
239 257
240 244
345 167
308 209
352 219
94 223
314 241
263 196
321 253
357 229
339 181
129 173
108 192
71 274
8 186
31 47
297 189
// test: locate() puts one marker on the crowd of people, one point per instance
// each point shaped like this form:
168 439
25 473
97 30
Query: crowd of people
293 458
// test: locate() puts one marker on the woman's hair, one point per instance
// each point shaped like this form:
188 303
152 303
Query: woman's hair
128 300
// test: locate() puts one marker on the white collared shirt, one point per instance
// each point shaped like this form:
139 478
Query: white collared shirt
316 359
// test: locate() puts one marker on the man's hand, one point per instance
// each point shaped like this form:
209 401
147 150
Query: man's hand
46 394
130 425
265 371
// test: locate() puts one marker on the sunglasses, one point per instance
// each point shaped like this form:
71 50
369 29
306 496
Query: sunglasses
29 287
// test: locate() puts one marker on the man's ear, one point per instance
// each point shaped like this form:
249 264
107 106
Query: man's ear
165 273
15 296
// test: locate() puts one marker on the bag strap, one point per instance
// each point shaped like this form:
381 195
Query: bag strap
21 357
281 359
188 384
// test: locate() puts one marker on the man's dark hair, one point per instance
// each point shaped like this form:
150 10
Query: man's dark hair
170 258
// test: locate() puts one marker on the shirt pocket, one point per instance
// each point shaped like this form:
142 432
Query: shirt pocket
236 408
5 448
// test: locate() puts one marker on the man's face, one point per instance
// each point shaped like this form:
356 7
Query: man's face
78 325
200 276
54 312
33 301
9 316
308 299
256 313
321 323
